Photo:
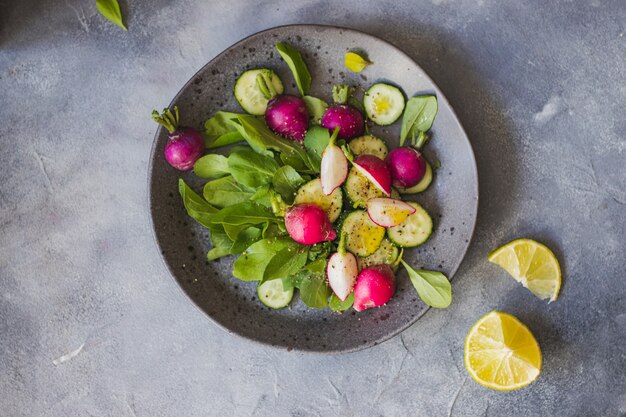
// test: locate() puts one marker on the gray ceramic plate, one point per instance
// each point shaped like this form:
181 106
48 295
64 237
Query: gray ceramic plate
452 198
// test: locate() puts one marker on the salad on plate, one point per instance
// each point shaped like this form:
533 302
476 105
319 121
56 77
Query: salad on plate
305 196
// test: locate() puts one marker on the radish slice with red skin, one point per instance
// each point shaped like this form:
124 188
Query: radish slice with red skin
388 212
334 167
342 270
375 170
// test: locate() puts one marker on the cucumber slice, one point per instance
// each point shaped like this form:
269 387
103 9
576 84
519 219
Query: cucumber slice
363 236
311 192
369 145
248 93
422 185
359 189
383 103
414 231
272 294
387 254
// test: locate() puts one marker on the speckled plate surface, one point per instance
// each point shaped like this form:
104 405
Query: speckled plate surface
451 200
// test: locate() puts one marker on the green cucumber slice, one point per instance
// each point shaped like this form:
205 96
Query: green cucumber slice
359 189
248 93
383 103
369 145
387 253
363 236
414 231
272 294
422 185
311 192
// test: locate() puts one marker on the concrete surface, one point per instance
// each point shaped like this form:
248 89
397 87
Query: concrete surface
92 325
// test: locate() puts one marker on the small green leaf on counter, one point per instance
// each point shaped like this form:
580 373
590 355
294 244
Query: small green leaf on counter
355 62
432 287
196 206
226 191
339 306
419 115
211 166
316 107
111 10
297 66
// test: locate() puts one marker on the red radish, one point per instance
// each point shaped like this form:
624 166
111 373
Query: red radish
375 170
407 166
374 287
342 270
347 118
308 224
388 212
184 145
287 116
334 169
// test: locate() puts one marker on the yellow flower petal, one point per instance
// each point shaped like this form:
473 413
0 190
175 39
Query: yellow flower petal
355 62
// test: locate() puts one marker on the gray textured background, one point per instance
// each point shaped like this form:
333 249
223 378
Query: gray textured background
541 89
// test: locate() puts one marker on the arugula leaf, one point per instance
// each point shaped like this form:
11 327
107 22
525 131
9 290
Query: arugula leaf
419 115
221 130
211 166
272 230
111 10
286 262
251 264
314 290
286 182
297 66
196 207
245 238
262 139
226 191
320 252
339 306
433 287
315 141
244 214
316 107
221 242
250 168
233 230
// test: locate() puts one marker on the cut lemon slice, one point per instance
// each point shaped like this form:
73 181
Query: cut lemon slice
531 264
501 353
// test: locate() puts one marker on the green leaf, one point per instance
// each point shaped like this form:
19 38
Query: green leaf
320 252
262 139
211 166
221 130
226 191
111 10
297 66
250 168
314 290
221 242
233 230
339 306
286 262
244 213
419 115
433 287
196 207
341 93
316 107
315 141
251 264
245 238
217 252
271 230
286 182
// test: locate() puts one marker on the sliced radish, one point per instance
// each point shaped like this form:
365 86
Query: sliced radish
388 212
375 170
342 270
334 169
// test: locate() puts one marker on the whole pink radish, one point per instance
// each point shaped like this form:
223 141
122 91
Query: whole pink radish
287 116
407 166
374 287
184 145
342 270
375 170
308 224
334 167
347 118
